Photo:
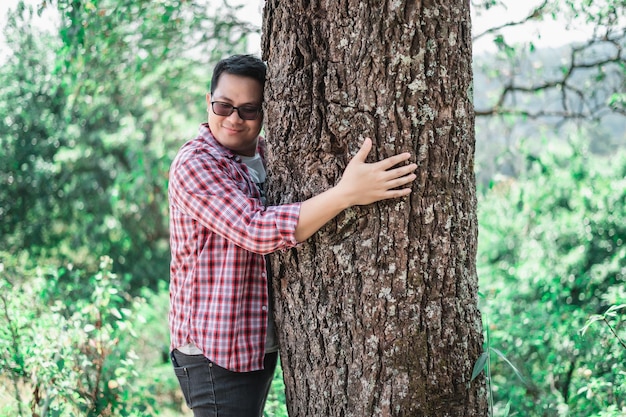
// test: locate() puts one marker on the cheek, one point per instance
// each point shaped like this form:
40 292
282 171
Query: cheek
213 122
257 127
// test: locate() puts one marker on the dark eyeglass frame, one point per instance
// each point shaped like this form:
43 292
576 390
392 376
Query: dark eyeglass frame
229 109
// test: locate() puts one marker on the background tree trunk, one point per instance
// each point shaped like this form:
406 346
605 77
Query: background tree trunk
378 311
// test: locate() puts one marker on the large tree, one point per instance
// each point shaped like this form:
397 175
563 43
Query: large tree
378 311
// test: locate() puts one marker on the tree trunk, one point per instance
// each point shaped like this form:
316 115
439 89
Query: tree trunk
378 311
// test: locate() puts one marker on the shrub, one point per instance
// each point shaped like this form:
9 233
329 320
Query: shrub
552 255
64 355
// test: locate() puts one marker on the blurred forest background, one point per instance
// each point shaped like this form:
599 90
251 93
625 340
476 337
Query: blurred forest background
97 96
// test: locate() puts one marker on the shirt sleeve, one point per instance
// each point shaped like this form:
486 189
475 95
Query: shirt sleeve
211 191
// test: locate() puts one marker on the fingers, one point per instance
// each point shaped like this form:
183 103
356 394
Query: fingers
361 155
398 182
387 163
397 193
370 182
400 171
391 185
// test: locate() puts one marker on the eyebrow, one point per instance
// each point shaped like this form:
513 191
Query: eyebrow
226 99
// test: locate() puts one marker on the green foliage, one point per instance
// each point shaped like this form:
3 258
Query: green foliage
93 115
552 256
611 314
483 363
93 111
63 354
276 403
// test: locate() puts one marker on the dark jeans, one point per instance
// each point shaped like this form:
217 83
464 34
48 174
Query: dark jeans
212 391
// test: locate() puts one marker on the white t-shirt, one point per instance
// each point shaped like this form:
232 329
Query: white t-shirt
258 174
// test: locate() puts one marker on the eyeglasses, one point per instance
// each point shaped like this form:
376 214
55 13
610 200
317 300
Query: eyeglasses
245 112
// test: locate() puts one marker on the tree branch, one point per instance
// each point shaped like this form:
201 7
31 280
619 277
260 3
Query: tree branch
566 86
534 15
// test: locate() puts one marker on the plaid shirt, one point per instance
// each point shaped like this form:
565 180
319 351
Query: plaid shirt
219 232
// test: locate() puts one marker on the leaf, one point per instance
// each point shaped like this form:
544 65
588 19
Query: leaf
517 372
611 312
613 309
115 312
507 409
591 320
479 365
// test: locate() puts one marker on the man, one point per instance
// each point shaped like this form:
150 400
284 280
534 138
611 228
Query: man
224 349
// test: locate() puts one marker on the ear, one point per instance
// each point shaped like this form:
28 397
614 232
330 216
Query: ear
208 99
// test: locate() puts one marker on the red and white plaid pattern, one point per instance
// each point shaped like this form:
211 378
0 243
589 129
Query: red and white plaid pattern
219 232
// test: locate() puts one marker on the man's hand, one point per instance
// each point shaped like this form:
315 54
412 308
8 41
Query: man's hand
362 183
365 183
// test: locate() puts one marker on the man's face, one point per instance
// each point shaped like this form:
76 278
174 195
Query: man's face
233 132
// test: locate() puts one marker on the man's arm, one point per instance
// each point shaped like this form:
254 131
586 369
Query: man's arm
204 187
361 183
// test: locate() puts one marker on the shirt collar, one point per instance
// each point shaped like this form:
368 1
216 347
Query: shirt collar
207 136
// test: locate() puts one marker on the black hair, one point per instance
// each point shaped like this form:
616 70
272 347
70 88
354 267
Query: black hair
244 65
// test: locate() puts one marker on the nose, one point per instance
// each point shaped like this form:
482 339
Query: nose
234 116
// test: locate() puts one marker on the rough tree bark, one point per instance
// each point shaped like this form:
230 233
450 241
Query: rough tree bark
378 311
